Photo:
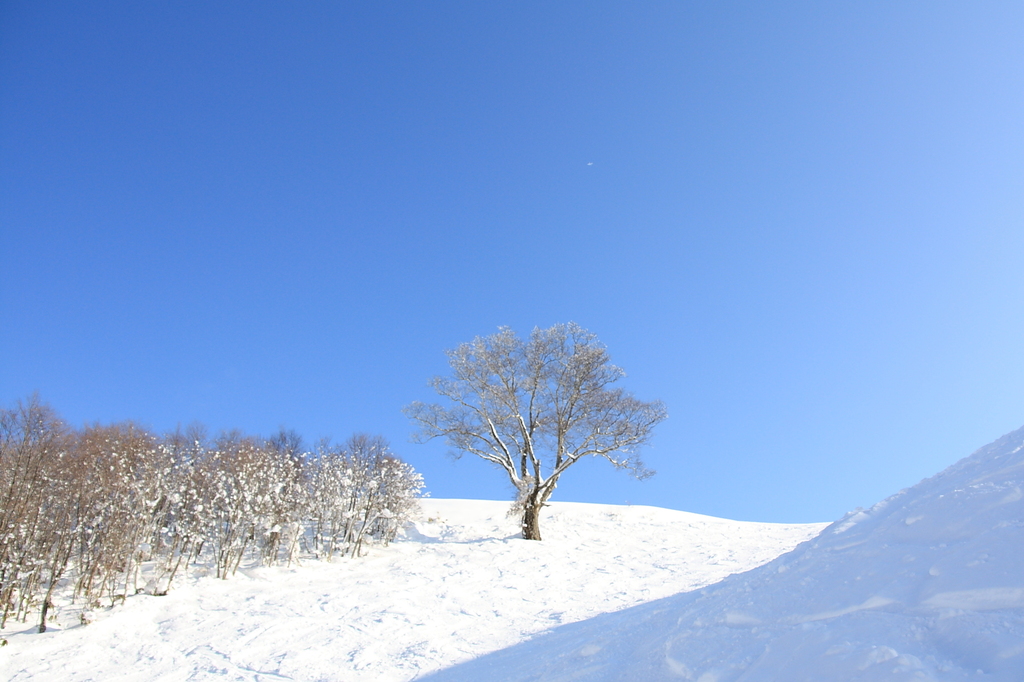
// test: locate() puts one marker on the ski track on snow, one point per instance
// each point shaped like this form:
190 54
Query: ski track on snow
460 584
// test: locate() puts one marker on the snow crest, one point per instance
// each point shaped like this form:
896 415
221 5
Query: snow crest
926 585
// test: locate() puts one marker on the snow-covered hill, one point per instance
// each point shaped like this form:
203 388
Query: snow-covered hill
461 584
926 585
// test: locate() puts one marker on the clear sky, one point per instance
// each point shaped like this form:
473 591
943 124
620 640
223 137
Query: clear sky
801 225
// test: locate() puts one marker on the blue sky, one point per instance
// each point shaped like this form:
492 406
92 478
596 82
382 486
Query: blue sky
800 226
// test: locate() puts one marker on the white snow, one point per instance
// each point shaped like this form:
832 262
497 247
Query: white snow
460 584
927 585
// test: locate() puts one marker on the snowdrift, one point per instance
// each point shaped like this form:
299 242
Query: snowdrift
460 584
926 585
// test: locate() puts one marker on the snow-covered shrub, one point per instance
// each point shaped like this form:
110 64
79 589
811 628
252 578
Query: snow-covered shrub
400 488
359 490
121 492
36 508
328 479
90 509
180 534
242 486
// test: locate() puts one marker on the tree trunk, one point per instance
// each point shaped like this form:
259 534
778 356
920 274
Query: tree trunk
531 520
42 617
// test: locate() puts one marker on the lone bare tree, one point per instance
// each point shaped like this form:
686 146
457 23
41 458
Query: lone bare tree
535 407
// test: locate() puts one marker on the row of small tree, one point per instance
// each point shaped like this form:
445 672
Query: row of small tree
88 509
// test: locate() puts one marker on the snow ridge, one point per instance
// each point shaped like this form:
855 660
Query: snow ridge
926 585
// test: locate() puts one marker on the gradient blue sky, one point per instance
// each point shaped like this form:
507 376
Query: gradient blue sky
800 225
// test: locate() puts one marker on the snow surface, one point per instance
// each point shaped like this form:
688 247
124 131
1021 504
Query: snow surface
460 584
926 585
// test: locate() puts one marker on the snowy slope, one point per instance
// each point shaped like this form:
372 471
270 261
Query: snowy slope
461 584
926 585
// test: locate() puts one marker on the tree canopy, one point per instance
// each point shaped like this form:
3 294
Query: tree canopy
536 406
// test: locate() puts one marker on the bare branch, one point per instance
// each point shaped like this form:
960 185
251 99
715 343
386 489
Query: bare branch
543 404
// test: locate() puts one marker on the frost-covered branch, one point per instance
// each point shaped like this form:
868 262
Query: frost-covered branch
535 407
